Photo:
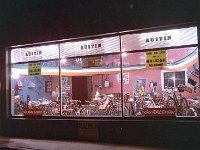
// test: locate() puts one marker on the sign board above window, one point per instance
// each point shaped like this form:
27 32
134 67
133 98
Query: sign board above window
90 47
34 53
160 39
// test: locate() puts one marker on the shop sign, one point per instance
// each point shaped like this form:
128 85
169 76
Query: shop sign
159 39
32 112
34 69
159 112
90 47
88 130
156 58
92 61
34 53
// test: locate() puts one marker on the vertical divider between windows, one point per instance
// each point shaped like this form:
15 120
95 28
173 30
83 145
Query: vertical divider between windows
60 80
121 74
198 40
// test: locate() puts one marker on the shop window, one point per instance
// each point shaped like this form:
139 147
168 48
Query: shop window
153 90
90 86
33 89
107 77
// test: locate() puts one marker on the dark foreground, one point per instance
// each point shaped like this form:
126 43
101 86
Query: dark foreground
9 143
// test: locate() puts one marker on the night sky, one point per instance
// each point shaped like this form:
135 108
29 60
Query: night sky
30 21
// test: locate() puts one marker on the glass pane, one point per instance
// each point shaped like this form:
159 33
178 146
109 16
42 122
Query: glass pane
168 83
168 75
91 87
34 89
180 75
179 83
156 91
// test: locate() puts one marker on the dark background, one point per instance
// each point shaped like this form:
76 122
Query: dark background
30 21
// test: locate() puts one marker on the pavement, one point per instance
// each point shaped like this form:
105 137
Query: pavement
10 143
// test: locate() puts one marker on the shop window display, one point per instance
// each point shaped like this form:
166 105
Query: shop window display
103 78
33 93
163 87
94 90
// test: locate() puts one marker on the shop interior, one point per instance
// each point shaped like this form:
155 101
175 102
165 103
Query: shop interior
95 86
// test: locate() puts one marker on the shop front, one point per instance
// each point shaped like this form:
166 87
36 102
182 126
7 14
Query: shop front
130 80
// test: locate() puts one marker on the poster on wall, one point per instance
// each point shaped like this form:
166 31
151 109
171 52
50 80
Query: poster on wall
34 69
156 58
48 86
125 77
65 83
139 86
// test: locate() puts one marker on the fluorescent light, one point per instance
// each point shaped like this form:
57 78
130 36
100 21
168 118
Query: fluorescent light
124 54
63 60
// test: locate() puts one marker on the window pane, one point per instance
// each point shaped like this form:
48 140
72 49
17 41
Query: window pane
168 83
169 75
155 89
180 75
91 87
34 89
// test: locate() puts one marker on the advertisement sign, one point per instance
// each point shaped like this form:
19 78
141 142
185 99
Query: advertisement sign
156 58
32 112
88 130
92 62
34 69
159 112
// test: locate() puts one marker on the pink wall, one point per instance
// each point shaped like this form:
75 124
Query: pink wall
149 75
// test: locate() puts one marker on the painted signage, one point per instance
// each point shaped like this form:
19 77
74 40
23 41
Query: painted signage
34 69
156 58
88 130
159 112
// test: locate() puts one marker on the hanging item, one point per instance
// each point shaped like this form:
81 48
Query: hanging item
31 85
16 94
19 85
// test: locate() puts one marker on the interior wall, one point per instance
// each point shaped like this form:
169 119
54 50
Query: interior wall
36 92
